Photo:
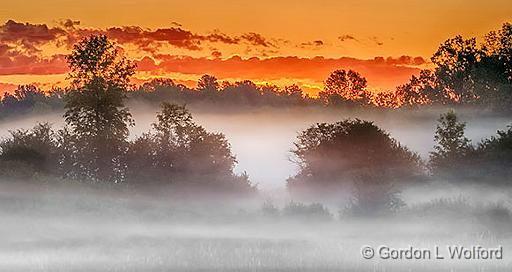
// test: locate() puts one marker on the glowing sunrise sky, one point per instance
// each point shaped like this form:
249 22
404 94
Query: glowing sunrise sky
279 42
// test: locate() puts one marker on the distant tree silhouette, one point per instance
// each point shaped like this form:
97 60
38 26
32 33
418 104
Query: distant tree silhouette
208 84
345 87
452 147
331 156
243 93
422 90
27 99
157 84
95 109
454 60
293 91
386 100
466 73
178 150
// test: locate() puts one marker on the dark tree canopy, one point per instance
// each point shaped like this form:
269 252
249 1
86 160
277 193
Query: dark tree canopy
422 90
28 151
97 57
208 83
466 73
451 148
344 152
177 150
95 109
343 86
494 158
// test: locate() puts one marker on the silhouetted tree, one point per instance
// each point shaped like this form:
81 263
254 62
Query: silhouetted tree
345 87
494 158
27 99
208 84
331 156
422 90
452 147
95 109
177 150
498 44
466 73
454 60
386 100
29 152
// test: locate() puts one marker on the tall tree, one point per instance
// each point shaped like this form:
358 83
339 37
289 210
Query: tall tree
95 109
455 59
451 148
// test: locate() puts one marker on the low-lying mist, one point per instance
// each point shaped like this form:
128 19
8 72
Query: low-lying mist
74 227
52 226
262 138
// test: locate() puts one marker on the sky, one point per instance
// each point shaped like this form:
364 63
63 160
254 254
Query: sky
277 42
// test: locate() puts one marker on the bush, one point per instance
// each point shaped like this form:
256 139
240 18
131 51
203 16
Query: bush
331 156
314 211
178 151
371 198
30 151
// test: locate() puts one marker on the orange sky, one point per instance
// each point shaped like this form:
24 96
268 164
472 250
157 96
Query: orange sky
279 42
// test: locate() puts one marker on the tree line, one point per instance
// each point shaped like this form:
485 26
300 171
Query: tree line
465 73
358 156
94 145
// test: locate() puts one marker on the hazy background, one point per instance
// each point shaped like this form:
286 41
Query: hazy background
261 139
74 227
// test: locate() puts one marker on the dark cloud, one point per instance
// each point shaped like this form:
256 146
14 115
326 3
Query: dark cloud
14 62
148 40
312 45
256 39
28 36
376 40
31 36
346 37
68 23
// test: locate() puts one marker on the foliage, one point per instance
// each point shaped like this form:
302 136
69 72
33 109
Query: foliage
96 57
35 151
495 157
208 84
345 87
452 148
27 99
466 73
210 93
333 156
177 149
95 111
